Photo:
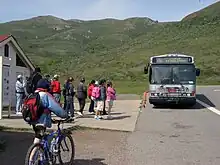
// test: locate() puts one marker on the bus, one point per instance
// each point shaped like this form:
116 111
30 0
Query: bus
172 79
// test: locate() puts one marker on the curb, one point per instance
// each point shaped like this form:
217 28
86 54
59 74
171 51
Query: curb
73 128
103 129
6 128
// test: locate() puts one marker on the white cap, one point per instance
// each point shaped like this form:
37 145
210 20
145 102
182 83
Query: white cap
55 76
96 83
19 76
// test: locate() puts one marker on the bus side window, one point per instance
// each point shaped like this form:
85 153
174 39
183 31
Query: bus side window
150 75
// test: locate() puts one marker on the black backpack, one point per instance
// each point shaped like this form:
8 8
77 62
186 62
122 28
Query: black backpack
32 82
66 90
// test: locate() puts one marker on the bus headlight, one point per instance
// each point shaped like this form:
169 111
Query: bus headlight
152 94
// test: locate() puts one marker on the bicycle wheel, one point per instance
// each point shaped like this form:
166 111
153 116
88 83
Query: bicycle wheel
31 154
63 147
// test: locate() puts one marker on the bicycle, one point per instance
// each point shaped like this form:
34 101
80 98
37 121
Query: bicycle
49 151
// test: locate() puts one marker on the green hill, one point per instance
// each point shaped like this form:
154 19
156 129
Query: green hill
119 49
210 15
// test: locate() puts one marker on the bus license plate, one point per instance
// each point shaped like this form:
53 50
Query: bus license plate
174 94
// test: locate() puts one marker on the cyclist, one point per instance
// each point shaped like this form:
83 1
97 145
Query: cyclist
50 105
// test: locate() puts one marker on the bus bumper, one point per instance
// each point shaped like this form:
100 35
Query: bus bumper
172 100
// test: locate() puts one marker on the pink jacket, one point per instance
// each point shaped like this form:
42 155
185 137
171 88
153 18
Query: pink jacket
111 94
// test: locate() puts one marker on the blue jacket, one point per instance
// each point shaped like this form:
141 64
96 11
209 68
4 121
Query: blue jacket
51 105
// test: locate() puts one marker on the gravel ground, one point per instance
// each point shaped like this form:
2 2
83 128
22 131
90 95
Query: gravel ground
93 147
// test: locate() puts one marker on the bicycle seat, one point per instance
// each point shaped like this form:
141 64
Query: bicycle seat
40 129
40 126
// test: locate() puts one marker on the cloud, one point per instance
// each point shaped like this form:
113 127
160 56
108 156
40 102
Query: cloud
108 9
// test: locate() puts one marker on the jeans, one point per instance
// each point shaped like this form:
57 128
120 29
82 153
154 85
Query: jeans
64 106
57 97
104 111
82 103
19 100
70 105
110 104
91 106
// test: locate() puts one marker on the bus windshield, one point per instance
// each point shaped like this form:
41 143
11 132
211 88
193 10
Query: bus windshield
173 74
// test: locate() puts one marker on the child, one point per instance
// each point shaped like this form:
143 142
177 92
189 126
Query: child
111 96
144 99
97 98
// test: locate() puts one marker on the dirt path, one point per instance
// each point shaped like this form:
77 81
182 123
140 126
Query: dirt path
93 147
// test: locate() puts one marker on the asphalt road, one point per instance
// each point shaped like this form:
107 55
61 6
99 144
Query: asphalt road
177 136
210 95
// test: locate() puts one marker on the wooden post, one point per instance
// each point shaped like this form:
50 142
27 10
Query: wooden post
1 85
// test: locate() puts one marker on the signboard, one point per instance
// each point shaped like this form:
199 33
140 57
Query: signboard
6 85
172 60
1 91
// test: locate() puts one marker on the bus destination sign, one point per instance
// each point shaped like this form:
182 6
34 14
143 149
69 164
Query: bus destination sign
173 60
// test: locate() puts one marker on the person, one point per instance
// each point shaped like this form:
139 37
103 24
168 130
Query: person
144 99
111 96
55 88
47 79
20 93
105 97
49 104
46 82
69 93
33 80
64 93
90 88
95 90
100 100
81 95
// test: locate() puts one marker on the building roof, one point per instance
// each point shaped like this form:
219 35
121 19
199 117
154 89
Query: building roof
4 37
9 38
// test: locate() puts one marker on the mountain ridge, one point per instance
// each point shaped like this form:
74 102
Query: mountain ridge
118 49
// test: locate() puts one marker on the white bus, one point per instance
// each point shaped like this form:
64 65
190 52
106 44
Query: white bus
172 79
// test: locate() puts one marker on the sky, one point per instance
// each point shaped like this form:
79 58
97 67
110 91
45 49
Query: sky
161 10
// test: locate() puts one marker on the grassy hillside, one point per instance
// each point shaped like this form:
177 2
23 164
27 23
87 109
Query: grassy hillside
119 49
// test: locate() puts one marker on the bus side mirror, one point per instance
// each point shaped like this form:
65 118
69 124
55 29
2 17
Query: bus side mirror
197 71
145 70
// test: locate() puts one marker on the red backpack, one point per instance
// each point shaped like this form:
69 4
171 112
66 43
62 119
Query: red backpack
32 109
